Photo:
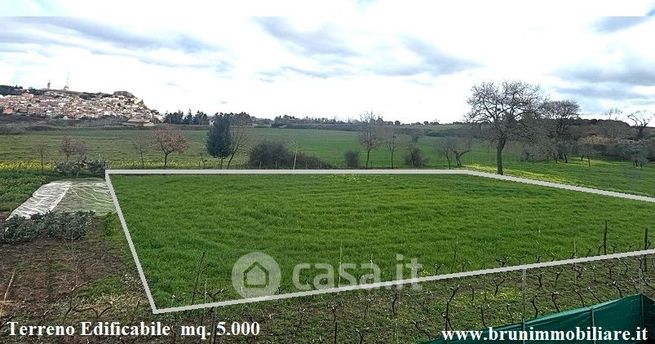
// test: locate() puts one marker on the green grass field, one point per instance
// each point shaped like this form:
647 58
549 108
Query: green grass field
116 146
454 222
18 185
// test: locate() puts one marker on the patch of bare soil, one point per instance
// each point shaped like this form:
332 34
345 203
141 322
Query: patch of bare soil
38 274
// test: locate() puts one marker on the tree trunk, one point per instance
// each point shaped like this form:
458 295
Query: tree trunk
221 164
229 161
499 156
392 159
368 155
165 159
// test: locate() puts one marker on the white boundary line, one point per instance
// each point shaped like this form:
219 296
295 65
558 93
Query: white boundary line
130 243
156 310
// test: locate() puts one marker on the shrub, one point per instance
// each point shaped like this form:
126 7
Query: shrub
415 157
11 130
81 168
60 226
309 162
637 153
352 159
267 154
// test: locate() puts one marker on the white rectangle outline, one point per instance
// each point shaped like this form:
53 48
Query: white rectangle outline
156 310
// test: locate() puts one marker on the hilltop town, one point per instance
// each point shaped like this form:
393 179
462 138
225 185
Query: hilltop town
53 103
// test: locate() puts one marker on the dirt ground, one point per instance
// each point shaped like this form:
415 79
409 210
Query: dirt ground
43 271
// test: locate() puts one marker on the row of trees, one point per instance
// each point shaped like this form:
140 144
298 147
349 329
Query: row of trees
307 121
517 111
227 135
201 118
178 117
375 133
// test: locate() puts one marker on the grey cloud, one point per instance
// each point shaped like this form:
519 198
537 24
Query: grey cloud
271 75
608 91
37 35
629 73
318 42
325 73
433 61
613 24
66 26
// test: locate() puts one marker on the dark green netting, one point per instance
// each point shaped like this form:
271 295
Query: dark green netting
629 313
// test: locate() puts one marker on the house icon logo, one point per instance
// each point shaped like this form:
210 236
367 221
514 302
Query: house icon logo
256 274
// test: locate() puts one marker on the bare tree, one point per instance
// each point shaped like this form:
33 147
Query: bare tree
641 119
459 147
391 141
613 114
369 134
444 149
79 149
507 109
170 140
70 147
586 147
454 148
41 149
140 145
613 127
240 135
66 147
559 115
295 145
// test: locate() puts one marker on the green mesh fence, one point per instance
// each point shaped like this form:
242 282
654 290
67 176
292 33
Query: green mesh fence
629 313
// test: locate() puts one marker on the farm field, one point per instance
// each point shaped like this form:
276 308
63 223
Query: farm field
449 223
18 185
47 272
116 146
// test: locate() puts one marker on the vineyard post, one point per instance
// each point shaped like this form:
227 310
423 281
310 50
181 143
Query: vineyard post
605 239
523 295
641 287
646 245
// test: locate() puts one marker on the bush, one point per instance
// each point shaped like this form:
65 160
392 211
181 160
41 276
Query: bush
60 226
83 167
415 157
637 153
267 154
11 130
352 159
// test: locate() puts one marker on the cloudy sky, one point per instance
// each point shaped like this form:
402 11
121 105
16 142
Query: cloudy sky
406 60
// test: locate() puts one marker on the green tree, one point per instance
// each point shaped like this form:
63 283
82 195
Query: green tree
219 140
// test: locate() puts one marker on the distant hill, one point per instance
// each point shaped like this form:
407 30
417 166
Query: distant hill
17 101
